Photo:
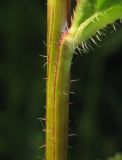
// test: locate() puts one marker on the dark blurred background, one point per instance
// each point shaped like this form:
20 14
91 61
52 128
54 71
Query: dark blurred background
95 116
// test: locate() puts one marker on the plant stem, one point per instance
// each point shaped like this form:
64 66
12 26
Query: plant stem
61 42
58 79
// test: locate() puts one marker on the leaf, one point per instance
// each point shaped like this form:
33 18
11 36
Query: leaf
92 15
104 4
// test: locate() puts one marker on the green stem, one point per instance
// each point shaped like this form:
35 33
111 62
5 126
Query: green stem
60 45
58 76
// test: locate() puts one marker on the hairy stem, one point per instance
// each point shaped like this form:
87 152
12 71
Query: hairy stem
61 41
57 81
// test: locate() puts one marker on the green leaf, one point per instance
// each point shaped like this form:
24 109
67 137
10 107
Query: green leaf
104 4
92 15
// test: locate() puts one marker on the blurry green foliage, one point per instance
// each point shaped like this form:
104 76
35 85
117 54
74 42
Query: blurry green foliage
118 156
